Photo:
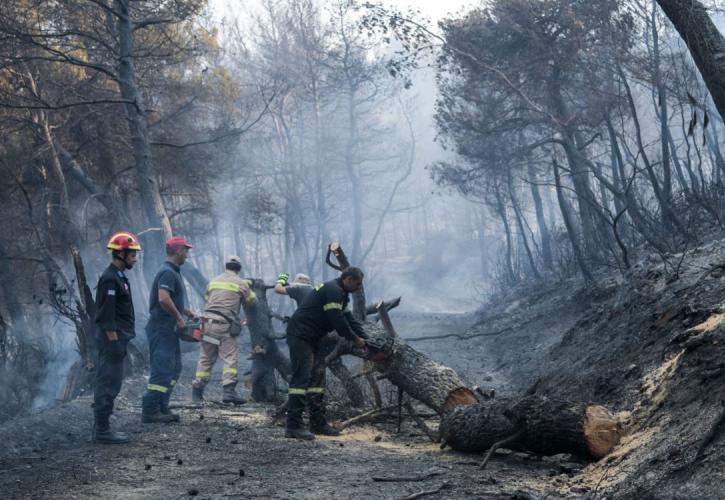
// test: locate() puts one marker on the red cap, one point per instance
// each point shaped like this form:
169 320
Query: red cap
178 241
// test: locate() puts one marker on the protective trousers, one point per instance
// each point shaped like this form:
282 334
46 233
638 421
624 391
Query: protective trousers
228 351
307 383
109 376
165 354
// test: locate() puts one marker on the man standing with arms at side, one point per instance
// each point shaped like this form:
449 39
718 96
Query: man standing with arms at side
167 300
223 299
322 311
114 330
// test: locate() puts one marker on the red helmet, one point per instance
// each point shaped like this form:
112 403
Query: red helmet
178 241
123 240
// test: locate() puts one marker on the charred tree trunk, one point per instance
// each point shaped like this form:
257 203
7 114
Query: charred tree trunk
540 425
705 42
266 355
569 224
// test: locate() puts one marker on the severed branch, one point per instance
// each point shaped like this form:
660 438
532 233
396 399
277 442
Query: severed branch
458 336
368 414
389 304
443 485
496 446
421 423
402 479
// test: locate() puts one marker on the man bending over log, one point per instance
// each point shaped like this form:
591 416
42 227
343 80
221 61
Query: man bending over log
322 311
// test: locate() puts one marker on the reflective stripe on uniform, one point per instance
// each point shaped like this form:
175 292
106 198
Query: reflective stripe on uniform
319 286
332 306
251 296
201 374
173 383
233 371
157 388
222 285
315 390
297 391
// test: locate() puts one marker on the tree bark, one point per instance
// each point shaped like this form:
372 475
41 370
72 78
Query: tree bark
570 229
543 426
138 128
705 42
266 355
544 236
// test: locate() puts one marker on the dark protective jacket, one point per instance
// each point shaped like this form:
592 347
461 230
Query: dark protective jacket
323 310
114 306
169 278
298 292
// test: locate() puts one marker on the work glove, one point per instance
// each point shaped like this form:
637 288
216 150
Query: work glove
283 278
116 349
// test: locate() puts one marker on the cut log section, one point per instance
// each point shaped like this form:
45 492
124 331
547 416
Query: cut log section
543 426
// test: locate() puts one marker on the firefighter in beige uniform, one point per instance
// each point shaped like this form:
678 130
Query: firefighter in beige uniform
224 296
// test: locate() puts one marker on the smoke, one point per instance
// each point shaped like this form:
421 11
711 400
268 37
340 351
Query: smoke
62 354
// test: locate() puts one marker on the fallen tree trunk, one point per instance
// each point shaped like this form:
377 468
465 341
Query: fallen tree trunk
436 386
541 425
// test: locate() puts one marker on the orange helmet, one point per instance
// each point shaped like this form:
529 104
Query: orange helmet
123 240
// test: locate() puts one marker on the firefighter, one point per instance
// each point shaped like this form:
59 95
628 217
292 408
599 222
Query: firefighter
166 304
114 330
297 290
223 298
322 311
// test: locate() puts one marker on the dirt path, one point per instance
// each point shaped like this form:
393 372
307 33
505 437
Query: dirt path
238 453
225 452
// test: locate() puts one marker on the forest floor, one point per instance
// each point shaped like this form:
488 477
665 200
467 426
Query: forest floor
648 345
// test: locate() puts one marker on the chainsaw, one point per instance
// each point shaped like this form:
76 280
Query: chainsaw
193 332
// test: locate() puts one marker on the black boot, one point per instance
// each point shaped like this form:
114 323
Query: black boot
197 394
151 409
165 410
230 395
318 421
295 423
300 433
102 432
324 429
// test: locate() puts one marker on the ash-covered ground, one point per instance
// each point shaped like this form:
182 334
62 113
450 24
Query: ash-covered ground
649 346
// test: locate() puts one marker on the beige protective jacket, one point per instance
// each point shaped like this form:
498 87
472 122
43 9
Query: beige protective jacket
225 293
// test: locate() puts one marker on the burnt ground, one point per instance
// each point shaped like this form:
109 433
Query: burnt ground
648 345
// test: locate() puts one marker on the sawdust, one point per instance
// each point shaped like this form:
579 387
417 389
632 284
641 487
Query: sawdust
655 382
709 324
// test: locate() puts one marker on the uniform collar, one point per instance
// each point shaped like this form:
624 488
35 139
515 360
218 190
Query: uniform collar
172 266
119 272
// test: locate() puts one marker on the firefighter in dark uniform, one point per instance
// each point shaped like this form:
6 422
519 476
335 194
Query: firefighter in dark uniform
322 311
166 305
114 330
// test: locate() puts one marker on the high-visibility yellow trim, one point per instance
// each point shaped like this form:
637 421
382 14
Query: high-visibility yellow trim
319 286
332 306
251 296
297 391
233 371
201 374
223 285
315 390
157 388
247 282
